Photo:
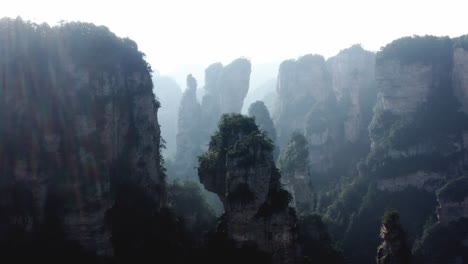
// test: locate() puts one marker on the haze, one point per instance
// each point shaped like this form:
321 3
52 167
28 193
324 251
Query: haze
177 33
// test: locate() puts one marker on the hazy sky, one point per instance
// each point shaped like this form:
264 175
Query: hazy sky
176 32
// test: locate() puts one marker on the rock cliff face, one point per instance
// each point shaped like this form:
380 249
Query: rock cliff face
265 93
306 103
234 85
353 82
394 248
294 165
263 120
189 132
302 85
239 167
417 137
168 93
413 92
77 121
330 102
225 90
403 88
460 79
453 201
211 109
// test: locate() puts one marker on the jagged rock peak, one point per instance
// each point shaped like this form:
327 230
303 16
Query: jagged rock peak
191 82
212 75
189 132
415 84
302 85
226 88
394 248
168 93
295 74
259 111
239 167
234 85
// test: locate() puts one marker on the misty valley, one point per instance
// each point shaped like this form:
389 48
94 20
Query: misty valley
358 158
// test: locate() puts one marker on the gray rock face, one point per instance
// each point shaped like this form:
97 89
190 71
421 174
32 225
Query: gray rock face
449 211
301 85
460 79
352 72
403 88
189 131
262 117
65 134
169 94
239 168
453 201
234 85
225 90
266 92
411 94
428 181
305 99
211 109
297 178
329 102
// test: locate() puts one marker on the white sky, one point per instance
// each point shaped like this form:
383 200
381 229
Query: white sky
177 32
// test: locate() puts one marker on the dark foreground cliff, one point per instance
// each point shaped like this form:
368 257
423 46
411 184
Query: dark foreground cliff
80 172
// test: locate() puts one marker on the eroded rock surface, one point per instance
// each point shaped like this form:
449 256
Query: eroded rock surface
239 168
77 121
189 132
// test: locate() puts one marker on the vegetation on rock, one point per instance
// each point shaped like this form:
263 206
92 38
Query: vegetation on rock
394 248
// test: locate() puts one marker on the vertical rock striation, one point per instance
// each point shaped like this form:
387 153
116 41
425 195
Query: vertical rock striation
330 103
353 82
225 90
189 132
260 113
394 248
168 93
294 165
78 119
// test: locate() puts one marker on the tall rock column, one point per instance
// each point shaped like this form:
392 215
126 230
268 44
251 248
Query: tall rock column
306 103
239 168
352 72
394 248
259 111
189 132
225 90
294 165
